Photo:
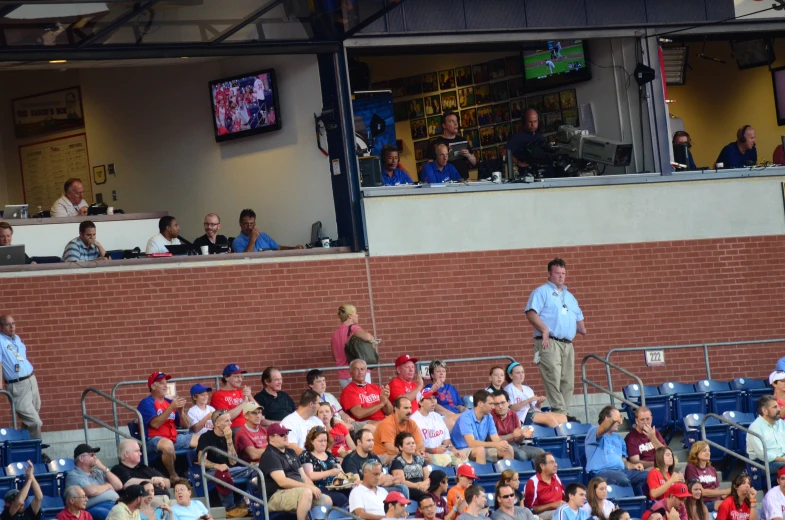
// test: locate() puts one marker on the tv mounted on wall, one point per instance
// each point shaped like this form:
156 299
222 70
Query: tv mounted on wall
245 105
554 64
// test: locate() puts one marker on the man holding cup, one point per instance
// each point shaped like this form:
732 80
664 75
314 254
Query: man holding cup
211 238
84 247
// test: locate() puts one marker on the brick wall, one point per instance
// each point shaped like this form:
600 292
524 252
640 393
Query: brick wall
99 328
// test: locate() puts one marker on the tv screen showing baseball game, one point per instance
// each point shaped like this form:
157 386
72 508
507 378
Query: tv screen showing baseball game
554 63
245 105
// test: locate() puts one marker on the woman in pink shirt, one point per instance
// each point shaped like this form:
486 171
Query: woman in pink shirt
349 327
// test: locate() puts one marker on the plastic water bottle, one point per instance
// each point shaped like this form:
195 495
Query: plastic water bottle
24 212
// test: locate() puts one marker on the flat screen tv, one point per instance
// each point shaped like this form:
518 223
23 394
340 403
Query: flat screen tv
778 77
245 105
554 63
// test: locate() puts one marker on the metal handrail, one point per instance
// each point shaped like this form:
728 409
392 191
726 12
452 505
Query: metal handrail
764 466
704 346
13 406
116 431
608 366
206 476
343 512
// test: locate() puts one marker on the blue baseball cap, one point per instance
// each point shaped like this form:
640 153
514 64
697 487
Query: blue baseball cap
233 369
199 388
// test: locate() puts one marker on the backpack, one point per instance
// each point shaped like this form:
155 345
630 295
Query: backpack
357 348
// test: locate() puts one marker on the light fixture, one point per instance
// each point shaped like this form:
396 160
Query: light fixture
58 61
675 61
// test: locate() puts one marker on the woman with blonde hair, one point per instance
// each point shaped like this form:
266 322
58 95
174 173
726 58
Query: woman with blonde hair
699 467
349 327
662 476
597 504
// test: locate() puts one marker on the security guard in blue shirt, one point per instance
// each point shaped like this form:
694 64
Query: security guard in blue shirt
556 317
18 376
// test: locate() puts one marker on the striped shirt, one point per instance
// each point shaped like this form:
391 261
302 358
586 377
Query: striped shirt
76 251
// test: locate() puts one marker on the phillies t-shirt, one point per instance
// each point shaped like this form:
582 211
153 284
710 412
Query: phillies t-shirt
729 511
518 396
399 387
150 409
339 433
639 444
706 476
773 504
245 438
226 400
433 428
365 396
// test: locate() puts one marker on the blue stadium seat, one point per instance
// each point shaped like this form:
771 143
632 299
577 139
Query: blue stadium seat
524 468
411 508
684 400
491 500
17 446
547 439
258 510
50 506
569 473
722 397
716 431
448 470
658 404
486 475
320 513
468 401
576 443
751 391
6 483
625 498
61 467
739 437
47 480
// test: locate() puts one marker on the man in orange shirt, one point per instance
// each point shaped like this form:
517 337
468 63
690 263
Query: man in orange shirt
395 423
466 477
409 382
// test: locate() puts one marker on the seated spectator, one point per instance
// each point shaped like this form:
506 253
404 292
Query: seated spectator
644 439
465 478
251 239
318 383
288 487
741 152
410 466
367 499
544 492
438 484
666 508
300 422
395 505
769 426
449 402
162 416
435 434
349 327
774 501
440 170
131 471
211 238
475 429
620 514
342 440
72 203
232 395
84 248
509 428
365 401
96 480
277 404
14 500
682 137
168 235
506 508
496 378
75 505
573 509
184 508
606 453
740 504
663 475
475 502
699 468
200 414
149 511
523 401
127 507
696 509
220 466
777 383
510 477
321 465
356 460
250 439
408 383
597 504
6 237
387 431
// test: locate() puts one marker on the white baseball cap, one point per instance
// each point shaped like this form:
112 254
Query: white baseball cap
777 375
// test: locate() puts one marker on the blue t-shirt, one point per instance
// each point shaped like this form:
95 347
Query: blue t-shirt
605 453
467 423
263 242
565 512
780 364
731 157
431 174
559 311
398 177
521 139
448 397
194 510
13 352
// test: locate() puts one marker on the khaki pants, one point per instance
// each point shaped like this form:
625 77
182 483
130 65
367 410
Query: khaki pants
557 368
28 404
287 500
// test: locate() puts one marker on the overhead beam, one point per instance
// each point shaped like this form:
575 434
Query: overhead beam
391 4
112 27
249 20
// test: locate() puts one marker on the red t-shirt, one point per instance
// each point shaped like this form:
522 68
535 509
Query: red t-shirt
226 400
638 444
365 396
339 433
338 342
399 387
538 492
245 438
507 425
654 480
729 511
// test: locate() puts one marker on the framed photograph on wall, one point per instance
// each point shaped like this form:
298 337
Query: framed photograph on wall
516 109
472 137
446 79
502 132
501 113
513 64
421 150
497 68
468 118
570 117
489 154
536 102
49 112
398 90
482 94
435 126
480 73
449 101
466 97
463 76
419 129
430 82
433 105
412 85
99 174
401 110
487 136
568 99
499 91
515 86
502 151
485 115
551 102
416 108
552 121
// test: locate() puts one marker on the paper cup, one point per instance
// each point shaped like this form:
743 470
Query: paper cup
110 210
205 250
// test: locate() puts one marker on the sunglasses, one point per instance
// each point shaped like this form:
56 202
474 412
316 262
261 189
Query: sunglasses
507 496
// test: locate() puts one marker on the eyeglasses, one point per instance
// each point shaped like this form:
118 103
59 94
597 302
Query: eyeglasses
211 224
507 496
432 506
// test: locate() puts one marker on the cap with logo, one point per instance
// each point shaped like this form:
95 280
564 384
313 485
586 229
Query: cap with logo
84 448
404 358
466 470
277 429
199 388
157 376
251 406
425 393
679 491
396 496
232 369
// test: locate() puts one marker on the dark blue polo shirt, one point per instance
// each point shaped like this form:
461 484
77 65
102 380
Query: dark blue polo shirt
398 177
432 175
731 157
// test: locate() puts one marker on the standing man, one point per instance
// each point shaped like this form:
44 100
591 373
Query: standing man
573 509
408 383
211 238
464 160
475 503
85 247
769 426
395 423
96 480
506 508
302 420
168 231
439 170
555 315
232 394
742 152
644 439
475 429
774 501
18 376
544 492
277 404
606 453
251 239
509 428
72 203
392 175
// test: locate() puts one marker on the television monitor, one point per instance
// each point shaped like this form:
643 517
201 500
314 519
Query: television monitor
778 78
753 53
554 63
245 105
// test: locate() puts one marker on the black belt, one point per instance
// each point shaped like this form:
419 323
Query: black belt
560 340
18 380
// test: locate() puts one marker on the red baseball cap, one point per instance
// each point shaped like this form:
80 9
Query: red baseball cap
404 358
157 376
396 496
425 394
466 470
781 472
679 491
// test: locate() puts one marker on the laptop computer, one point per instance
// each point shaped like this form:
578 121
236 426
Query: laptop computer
14 211
12 255
180 250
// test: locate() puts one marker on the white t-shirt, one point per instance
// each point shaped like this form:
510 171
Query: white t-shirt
157 244
607 508
434 430
518 396
300 427
196 414
773 505
336 405
372 503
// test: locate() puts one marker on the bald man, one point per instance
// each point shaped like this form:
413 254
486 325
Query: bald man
72 203
440 170
211 238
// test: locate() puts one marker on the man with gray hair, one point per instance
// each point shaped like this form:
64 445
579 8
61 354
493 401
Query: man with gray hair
75 500
367 499
365 401
131 471
98 482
